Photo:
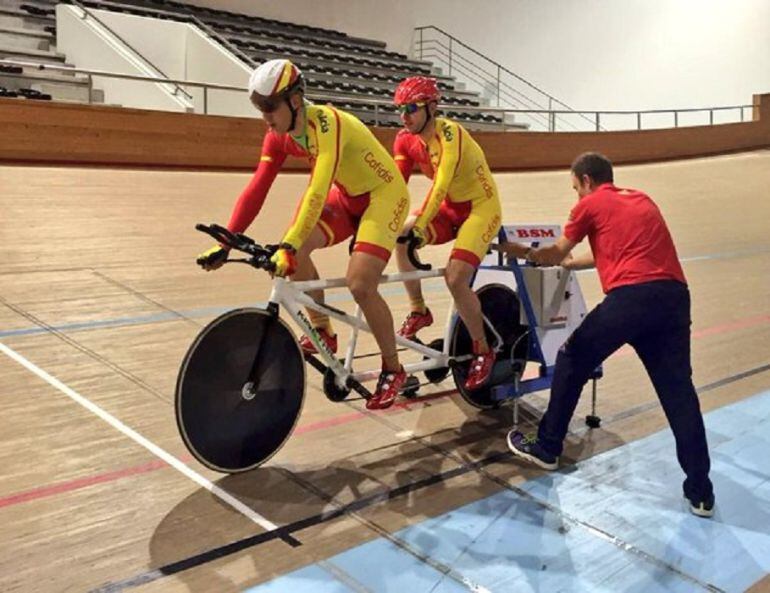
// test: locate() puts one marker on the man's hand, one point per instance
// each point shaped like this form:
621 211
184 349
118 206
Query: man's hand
567 262
551 255
580 262
213 258
285 260
419 236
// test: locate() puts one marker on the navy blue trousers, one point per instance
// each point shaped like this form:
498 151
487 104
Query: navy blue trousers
654 318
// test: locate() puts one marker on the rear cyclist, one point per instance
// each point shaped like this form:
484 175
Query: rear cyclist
462 204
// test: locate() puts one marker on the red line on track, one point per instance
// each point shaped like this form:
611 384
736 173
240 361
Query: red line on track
84 482
79 483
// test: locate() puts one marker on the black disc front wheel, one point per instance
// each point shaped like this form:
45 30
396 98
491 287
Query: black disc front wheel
240 390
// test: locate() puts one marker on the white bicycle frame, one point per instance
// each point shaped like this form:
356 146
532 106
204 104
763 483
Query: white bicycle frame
292 296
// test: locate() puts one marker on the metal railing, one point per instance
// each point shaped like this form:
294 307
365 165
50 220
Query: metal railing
90 74
87 13
493 80
383 111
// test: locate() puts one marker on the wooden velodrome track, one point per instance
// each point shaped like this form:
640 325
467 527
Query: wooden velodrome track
99 289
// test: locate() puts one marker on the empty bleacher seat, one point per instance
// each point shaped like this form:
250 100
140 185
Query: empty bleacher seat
8 69
33 94
336 65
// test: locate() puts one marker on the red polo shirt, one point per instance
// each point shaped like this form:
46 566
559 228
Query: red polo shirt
628 236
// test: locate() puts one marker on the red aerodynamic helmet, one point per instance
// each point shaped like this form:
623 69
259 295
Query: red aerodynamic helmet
416 89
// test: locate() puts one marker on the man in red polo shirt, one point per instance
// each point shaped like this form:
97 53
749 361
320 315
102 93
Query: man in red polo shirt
647 306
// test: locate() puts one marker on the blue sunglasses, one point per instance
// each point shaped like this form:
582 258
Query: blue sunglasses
409 108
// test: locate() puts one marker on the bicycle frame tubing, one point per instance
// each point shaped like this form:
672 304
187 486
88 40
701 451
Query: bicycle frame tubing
291 295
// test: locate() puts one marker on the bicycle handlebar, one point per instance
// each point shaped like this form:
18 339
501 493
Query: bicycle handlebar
411 252
260 255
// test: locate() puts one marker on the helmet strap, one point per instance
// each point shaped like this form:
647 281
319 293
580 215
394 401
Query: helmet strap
293 114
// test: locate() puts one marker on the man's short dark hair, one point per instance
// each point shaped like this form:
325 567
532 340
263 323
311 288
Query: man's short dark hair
597 166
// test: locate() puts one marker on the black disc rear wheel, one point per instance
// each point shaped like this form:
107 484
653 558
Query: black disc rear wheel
240 390
500 305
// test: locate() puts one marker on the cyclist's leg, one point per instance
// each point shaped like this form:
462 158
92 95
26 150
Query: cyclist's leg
413 287
439 231
378 230
335 225
364 270
473 237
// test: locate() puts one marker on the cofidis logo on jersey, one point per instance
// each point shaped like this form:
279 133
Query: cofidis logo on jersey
380 170
485 182
492 228
395 224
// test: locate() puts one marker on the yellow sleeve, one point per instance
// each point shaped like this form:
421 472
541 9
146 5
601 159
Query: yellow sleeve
450 141
324 130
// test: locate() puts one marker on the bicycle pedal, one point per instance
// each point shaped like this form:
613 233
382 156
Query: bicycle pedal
410 387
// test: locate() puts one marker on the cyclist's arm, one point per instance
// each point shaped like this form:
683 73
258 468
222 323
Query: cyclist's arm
324 171
451 145
401 155
253 196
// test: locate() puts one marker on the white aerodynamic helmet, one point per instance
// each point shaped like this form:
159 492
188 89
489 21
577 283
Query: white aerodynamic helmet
275 79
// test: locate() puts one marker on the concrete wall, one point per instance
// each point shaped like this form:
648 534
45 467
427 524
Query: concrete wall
177 50
89 45
184 52
63 133
208 61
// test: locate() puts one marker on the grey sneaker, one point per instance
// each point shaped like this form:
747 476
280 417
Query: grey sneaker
528 448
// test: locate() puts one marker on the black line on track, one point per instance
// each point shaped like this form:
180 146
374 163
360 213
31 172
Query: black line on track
143 297
325 517
85 350
285 531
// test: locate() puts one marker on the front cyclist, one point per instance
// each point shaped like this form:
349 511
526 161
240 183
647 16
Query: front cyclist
355 187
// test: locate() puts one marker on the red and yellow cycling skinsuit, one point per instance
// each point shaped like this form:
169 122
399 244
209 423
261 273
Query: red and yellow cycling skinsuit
463 201
355 186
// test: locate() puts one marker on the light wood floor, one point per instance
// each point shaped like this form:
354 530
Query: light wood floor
98 288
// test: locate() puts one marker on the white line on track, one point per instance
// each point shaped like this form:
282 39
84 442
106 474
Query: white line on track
144 442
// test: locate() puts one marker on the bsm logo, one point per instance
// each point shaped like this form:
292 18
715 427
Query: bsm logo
535 233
